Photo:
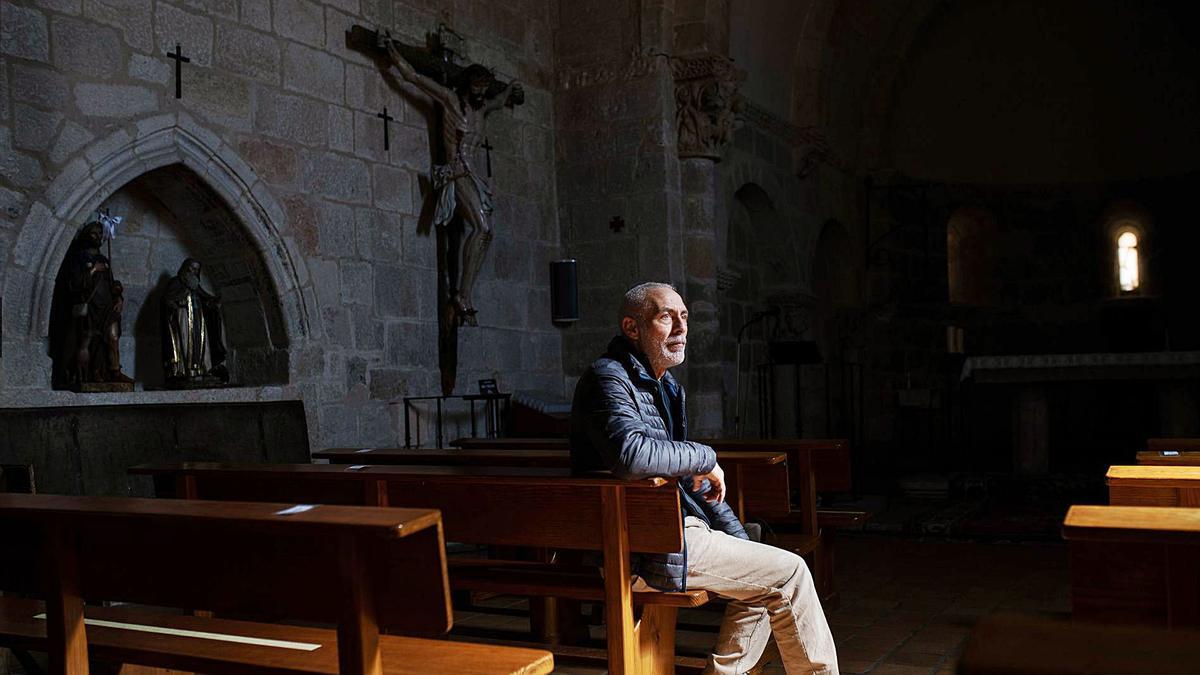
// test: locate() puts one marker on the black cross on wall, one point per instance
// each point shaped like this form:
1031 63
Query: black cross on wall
179 59
487 145
386 118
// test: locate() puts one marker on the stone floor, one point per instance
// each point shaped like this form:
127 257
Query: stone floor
907 605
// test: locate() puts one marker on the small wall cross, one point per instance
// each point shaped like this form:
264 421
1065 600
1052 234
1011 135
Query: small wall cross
180 59
487 146
386 118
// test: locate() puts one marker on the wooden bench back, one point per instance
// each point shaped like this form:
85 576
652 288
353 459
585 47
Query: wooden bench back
1154 485
230 558
1169 457
1173 443
511 506
549 508
756 482
1134 564
827 458
1005 644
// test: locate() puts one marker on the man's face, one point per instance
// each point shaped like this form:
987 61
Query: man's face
661 330
478 91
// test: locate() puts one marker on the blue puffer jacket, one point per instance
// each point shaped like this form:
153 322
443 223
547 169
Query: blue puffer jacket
624 420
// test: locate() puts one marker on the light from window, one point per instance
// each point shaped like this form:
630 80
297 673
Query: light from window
1127 261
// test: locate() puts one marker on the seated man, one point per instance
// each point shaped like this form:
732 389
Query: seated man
628 416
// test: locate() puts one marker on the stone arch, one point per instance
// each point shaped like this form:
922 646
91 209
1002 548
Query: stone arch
106 166
818 76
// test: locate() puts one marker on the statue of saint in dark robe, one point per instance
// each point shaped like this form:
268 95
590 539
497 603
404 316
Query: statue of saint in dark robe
193 336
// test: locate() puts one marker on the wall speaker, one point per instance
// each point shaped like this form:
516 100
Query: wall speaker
564 291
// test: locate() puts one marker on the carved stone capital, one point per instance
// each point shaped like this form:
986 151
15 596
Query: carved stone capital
706 103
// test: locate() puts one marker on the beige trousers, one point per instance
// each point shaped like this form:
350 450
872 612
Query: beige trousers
770 592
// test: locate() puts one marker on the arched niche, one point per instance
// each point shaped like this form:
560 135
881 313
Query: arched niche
191 155
835 277
170 214
760 240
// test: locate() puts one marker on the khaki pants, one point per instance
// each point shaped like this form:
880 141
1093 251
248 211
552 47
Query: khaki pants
770 592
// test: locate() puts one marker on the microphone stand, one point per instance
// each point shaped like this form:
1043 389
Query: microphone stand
737 411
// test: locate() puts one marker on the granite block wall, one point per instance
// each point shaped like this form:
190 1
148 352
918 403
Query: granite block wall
278 117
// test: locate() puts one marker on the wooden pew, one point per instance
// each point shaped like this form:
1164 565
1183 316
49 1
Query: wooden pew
1169 457
379 570
829 457
1006 644
1152 485
1173 443
757 482
501 506
805 528
1134 564
828 460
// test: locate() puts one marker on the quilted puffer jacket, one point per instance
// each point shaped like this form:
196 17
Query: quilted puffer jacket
624 420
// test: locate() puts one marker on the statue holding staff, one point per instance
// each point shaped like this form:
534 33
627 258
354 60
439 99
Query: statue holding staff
96 299
461 188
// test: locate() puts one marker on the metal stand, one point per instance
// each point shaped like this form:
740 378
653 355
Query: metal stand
496 412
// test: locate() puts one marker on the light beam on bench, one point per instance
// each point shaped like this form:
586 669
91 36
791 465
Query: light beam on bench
202 635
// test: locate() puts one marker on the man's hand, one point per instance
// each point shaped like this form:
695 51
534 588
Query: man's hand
716 482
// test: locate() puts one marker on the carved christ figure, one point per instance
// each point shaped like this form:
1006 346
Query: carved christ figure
458 183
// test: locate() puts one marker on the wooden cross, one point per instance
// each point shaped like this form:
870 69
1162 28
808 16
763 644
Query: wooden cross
386 118
180 59
487 145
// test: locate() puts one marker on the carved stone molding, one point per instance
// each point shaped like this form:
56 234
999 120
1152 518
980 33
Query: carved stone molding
809 143
636 66
706 103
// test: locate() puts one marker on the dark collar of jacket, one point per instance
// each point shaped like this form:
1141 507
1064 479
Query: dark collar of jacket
621 350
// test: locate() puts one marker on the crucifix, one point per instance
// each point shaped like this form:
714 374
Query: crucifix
179 59
463 201
386 118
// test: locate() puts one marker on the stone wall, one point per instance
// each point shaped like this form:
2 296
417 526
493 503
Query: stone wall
278 117
618 189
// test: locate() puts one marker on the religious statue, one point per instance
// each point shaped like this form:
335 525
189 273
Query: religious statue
92 336
193 334
460 187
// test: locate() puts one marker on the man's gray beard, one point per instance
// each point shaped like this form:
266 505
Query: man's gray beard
669 359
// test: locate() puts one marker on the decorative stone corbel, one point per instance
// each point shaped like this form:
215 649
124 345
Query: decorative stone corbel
706 103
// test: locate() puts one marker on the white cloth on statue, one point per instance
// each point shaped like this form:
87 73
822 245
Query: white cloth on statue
442 178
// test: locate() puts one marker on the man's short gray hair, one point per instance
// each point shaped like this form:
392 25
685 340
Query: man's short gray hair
635 298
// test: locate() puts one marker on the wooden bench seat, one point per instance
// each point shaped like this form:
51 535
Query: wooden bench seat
1134 564
380 570
1008 644
1153 485
496 506
129 641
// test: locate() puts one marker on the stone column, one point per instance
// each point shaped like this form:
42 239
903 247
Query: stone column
705 96
701 215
